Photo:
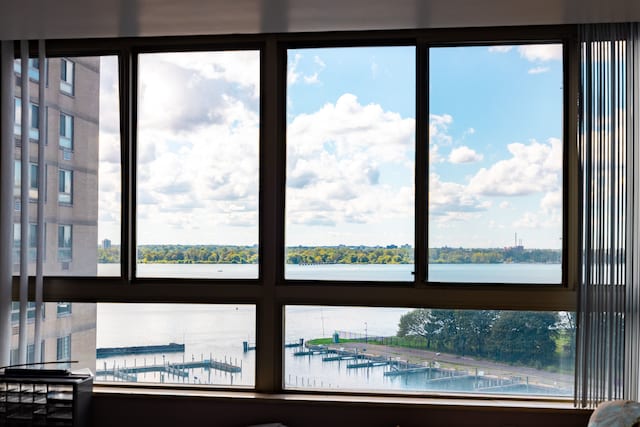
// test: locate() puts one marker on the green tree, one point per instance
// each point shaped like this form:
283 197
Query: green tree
524 337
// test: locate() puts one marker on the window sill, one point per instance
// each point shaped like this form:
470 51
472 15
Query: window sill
556 405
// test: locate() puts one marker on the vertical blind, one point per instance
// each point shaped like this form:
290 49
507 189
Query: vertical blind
7 203
608 343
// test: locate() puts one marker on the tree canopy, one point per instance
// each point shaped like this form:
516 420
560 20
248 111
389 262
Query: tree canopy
508 336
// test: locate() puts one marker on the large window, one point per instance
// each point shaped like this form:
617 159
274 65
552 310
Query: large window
495 164
197 194
382 215
350 164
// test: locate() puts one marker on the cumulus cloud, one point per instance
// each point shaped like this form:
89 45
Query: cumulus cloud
198 163
446 199
464 154
181 92
532 168
337 158
541 52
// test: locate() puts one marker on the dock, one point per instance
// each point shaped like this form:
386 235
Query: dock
175 369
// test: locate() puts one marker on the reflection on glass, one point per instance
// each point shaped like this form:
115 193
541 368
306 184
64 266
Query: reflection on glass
350 164
429 350
68 334
495 164
176 343
197 165
82 176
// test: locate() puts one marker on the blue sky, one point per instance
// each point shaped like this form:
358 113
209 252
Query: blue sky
495 147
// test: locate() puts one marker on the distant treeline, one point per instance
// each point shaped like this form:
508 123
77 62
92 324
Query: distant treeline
342 254
494 256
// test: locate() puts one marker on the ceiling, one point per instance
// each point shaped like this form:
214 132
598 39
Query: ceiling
51 19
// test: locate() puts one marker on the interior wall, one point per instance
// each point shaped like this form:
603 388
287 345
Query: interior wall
124 410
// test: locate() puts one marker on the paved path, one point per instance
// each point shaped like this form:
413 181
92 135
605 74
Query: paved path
414 355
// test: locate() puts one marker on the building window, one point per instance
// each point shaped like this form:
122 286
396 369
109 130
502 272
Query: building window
66 131
63 309
65 243
34 70
33 179
15 311
67 71
63 348
33 242
65 186
34 119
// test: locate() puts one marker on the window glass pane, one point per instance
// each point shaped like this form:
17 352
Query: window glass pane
67 337
176 343
350 164
198 136
67 71
88 176
496 155
66 131
408 350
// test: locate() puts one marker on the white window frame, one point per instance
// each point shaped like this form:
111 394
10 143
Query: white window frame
65 186
66 131
67 76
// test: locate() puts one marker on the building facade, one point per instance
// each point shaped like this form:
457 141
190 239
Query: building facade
70 197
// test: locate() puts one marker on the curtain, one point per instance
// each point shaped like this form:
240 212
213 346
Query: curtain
9 203
608 340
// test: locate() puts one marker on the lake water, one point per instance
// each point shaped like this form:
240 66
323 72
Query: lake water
466 273
218 331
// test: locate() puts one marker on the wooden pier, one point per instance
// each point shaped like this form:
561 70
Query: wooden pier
181 369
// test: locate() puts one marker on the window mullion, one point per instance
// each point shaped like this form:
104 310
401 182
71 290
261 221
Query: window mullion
128 79
422 163
269 328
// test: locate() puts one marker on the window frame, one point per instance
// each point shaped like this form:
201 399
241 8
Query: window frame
66 119
270 292
62 187
61 246
67 83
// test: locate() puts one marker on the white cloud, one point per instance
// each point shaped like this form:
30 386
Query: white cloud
538 70
294 75
464 154
533 168
438 127
335 162
500 49
450 200
292 70
312 79
541 52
